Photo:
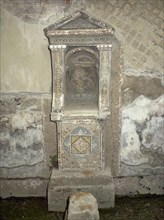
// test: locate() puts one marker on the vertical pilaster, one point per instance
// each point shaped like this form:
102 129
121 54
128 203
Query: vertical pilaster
57 56
104 77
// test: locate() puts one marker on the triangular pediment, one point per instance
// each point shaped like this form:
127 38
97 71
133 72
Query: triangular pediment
79 23
78 20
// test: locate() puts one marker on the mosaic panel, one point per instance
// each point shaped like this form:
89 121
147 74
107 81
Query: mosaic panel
81 146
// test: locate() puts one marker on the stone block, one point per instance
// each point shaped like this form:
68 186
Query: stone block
33 187
36 170
85 177
139 185
83 206
63 184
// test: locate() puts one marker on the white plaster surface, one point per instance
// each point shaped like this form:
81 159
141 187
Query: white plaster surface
153 135
130 144
142 127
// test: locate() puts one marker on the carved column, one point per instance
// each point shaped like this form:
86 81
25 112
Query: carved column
57 56
104 79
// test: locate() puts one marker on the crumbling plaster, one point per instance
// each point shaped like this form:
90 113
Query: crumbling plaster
142 135
26 136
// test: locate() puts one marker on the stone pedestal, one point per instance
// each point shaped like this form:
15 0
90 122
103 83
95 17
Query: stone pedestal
64 183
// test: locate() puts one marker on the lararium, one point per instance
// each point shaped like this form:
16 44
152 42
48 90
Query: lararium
85 58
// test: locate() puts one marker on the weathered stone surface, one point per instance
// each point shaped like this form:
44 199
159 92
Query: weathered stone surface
134 86
24 149
139 185
58 198
25 171
23 187
22 135
83 177
82 206
62 185
142 136
27 142
49 129
113 126
10 103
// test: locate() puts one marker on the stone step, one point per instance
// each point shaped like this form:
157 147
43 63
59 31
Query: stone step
85 177
62 186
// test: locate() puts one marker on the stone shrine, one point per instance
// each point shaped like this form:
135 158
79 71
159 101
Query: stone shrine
85 58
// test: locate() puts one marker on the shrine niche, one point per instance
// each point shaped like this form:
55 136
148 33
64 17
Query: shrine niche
81 80
85 107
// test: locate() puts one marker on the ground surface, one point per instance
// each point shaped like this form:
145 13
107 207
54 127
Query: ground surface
140 208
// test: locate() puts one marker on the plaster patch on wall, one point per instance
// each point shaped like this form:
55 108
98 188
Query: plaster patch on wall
26 135
23 120
147 73
142 132
21 139
130 149
153 135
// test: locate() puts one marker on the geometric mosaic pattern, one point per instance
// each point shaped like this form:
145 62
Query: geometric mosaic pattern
80 144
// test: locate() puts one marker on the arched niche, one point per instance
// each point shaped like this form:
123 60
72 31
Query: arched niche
81 79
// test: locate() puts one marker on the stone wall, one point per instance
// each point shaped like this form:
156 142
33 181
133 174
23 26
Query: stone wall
27 141
27 135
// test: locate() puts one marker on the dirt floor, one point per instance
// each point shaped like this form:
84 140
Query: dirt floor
136 208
